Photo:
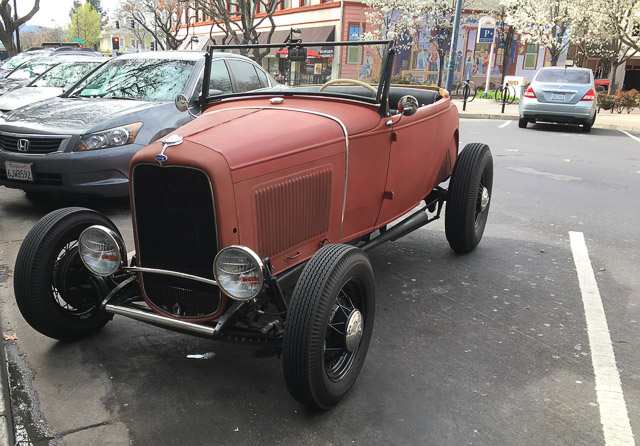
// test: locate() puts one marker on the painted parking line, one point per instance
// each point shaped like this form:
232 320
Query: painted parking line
506 123
630 135
613 409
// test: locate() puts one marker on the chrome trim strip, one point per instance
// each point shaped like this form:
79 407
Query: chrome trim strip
138 269
159 320
346 141
40 135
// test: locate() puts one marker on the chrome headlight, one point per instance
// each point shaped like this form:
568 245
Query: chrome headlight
115 137
102 250
239 272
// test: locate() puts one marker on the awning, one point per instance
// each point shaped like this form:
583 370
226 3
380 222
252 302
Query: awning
309 53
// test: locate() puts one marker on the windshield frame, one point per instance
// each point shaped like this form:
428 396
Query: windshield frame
380 99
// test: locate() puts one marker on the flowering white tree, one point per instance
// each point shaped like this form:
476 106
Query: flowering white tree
393 20
549 22
614 32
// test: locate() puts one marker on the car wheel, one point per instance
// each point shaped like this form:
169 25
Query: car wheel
329 325
586 127
55 292
469 197
522 123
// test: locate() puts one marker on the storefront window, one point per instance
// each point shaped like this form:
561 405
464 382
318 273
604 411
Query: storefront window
354 53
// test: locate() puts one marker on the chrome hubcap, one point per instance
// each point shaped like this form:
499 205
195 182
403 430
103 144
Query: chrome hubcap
484 199
353 335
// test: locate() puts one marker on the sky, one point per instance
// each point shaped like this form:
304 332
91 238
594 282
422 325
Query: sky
54 13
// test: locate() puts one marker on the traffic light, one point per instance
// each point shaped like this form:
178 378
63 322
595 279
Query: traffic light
117 24
115 43
153 46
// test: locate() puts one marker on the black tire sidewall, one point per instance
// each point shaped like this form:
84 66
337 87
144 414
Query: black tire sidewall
317 289
34 266
460 217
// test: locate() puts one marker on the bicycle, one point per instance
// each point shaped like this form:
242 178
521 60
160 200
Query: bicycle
466 89
505 93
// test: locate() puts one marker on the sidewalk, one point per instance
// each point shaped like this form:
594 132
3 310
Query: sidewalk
490 109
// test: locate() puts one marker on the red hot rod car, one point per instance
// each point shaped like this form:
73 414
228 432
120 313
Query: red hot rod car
252 222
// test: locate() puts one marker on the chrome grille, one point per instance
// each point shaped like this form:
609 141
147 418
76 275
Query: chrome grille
35 144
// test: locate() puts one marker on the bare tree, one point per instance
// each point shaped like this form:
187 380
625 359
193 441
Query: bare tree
163 19
239 20
9 24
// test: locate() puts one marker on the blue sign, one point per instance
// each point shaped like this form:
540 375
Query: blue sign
486 35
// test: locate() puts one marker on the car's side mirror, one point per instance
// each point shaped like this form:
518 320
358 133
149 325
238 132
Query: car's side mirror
214 92
408 105
182 103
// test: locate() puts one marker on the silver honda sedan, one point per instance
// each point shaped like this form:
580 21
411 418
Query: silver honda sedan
560 94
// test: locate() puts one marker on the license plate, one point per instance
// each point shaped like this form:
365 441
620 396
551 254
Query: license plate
557 96
18 171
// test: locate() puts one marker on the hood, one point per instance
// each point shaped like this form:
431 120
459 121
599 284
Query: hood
27 95
252 136
74 115
12 84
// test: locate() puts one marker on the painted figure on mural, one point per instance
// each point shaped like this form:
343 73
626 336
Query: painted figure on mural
485 61
421 63
433 67
365 72
468 65
458 64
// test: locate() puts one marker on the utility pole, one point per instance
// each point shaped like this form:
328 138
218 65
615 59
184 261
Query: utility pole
454 45
15 17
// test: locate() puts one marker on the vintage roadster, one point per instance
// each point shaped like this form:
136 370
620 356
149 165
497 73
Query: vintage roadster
252 222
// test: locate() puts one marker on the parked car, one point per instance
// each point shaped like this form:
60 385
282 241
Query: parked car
14 62
252 222
82 142
560 94
27 72
50 84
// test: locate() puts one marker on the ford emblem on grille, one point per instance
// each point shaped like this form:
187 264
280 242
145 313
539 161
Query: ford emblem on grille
23 145
161 158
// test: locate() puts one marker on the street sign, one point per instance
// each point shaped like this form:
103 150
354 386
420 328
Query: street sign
485 35
78 40
486 29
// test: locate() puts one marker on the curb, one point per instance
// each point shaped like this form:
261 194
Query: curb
507 117
6 424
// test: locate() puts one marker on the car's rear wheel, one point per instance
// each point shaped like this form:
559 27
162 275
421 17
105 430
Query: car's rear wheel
469 197
329 326
55 292
586 127
522 123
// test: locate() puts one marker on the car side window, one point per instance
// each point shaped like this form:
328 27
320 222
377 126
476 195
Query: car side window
220 79
244 75
263 78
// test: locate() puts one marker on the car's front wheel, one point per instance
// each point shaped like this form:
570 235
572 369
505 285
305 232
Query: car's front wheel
329 326
55 292
469 197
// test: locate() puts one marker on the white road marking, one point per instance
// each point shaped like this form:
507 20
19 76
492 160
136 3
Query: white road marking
630 135
553 176
506 123
613 410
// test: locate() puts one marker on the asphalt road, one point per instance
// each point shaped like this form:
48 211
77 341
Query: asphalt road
490 348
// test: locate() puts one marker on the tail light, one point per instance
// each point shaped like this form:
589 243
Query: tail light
590 96
528 93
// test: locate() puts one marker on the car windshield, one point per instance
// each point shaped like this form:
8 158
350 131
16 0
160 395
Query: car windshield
16 60
564 76
64 75
31 70
331 68
144 79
